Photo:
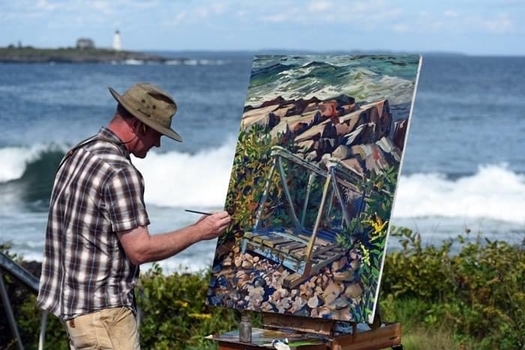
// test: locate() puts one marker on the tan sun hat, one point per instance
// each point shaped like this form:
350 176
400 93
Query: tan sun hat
150 105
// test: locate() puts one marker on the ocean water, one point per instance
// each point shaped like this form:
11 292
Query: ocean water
463 167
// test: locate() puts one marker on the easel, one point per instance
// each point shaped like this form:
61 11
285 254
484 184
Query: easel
331 335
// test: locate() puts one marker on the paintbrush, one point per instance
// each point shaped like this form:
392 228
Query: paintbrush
197 212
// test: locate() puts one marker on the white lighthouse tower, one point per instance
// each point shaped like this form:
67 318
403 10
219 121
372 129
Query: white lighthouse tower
117 45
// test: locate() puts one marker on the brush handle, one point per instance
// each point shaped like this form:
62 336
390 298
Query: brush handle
197 212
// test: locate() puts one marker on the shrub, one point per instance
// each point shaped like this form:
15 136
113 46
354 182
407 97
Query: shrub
478 293
173 313
472 290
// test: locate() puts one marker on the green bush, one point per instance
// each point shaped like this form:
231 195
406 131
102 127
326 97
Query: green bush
171 310
471 290
173 313
478 293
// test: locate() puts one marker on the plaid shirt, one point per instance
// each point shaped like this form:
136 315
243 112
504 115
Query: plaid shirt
97 193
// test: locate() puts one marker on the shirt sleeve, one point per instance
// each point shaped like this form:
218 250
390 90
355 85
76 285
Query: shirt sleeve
124 199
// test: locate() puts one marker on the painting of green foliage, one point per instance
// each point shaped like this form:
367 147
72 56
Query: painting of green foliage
313 183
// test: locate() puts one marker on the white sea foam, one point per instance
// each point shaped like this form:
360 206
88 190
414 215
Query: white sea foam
187 180
14 160
493 192
178 180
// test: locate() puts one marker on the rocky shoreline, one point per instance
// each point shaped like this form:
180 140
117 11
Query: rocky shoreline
74 55
363 136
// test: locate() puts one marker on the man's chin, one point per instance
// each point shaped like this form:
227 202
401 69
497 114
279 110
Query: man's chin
140 155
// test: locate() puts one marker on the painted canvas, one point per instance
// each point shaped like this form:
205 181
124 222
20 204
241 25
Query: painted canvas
313 183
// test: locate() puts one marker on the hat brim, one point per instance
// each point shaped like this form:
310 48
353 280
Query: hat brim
172 134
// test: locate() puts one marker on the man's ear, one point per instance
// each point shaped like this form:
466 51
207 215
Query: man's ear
138 127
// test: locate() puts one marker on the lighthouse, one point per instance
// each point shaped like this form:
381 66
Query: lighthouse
117 45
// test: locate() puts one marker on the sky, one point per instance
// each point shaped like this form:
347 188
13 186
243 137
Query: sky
474 27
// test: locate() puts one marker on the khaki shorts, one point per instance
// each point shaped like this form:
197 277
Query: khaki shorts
106 329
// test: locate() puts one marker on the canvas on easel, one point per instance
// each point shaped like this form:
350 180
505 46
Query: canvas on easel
313 184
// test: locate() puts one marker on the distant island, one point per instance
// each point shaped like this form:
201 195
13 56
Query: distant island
28 54
90 54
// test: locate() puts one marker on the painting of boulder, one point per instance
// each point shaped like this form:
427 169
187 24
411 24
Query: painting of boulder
312 186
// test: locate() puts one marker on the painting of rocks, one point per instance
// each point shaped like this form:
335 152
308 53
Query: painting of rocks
313 183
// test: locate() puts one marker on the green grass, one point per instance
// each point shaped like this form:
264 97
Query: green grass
416 335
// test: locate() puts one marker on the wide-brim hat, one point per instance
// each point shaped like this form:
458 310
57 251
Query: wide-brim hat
150 105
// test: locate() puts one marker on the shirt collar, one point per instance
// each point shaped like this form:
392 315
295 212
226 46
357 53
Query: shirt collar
107 134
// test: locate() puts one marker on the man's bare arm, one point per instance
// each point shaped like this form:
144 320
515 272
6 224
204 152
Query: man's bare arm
141 247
